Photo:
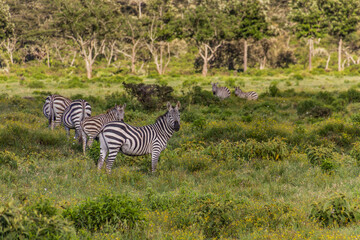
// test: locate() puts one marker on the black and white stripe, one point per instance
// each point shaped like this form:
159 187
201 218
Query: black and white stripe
220 92
76 112
54 108
247 95
135 141
91 126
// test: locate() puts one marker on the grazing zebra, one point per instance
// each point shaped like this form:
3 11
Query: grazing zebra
91 126
220 92
137 141
247 95
53 109
76 112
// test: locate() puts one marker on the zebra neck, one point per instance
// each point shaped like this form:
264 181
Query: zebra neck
163 128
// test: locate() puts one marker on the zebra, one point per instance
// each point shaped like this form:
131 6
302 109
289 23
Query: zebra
137 141
76 112
53 109
220 92
91 126
247 95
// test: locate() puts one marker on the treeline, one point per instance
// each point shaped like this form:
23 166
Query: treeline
221 34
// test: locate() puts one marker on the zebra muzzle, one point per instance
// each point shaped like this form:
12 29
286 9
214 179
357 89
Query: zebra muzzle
176 126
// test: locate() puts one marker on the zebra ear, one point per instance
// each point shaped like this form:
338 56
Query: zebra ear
178 105
169 106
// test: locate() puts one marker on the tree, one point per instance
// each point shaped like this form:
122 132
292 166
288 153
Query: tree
247 21
207 26
162 27
310 23
6 28
342 17
88 23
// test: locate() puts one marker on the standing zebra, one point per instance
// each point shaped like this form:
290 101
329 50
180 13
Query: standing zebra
91 126
247 95
220 92
76 112
53 109
137 141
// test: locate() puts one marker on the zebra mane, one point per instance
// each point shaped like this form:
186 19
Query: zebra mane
162 116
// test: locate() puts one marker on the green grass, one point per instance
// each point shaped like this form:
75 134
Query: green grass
236 169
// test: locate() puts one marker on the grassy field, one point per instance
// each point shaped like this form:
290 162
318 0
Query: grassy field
283 167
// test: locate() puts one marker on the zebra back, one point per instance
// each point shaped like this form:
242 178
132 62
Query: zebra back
76 112
246 95
220 92
54 107
91 126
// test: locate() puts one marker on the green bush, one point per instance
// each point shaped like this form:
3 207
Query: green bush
36 84
274 90
94 151
313 108
214 216
336 211
9 159
107 212
351 95
355 151
322 157
17 223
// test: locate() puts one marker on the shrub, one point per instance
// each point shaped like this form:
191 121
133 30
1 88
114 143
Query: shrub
335 211
274 90
322 157
355 151
214 216
9 158
199 96
150 96
313 108
94 151
108 211
36 84
17 223
351 95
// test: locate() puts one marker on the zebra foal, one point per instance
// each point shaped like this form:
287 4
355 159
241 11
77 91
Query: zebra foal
91 126
247 95
53 109
76 112
136 141
220 92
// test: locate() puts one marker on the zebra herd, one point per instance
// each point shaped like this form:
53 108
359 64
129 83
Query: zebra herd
224 92
114 134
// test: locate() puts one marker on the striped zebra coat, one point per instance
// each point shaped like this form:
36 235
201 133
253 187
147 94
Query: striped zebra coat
220 92
53 109
247 95
76 112
91 126
136 141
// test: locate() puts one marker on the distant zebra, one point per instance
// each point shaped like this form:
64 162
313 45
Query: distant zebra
53 109
76 112
220 92
91 126
247 95
137 141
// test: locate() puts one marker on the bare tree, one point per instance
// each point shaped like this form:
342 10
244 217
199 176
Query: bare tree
10 45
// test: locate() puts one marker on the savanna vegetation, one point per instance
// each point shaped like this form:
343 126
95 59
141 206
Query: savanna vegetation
283 167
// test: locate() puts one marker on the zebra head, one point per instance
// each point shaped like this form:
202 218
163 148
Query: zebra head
238 91
214 87
119 112
173 116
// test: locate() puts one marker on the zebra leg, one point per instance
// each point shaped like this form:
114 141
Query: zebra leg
90 142
155 157
111 158
103 152
83 135
67 132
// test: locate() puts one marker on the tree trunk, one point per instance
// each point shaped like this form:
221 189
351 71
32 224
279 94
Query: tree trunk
205 65
88 66
245 55
339 55
262 63
310 52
